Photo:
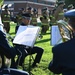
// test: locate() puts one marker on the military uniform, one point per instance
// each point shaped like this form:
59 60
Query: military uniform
63 61
6 19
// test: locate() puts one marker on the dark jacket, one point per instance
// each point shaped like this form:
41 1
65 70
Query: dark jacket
63 58
5 48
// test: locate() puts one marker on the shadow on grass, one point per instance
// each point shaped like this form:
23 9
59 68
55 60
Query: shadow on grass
47 33
41 41
13 33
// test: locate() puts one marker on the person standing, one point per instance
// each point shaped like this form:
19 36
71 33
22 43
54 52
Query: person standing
34 17
29 10
44 20
6 19
59 13
19 17
63 61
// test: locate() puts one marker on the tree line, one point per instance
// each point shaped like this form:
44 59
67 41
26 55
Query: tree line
68 2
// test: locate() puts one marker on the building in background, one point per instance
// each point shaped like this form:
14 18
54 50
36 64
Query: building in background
38 4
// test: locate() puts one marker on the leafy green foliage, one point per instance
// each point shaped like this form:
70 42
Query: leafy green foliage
68 2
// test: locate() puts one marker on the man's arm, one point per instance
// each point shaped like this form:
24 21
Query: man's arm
5 48
54 65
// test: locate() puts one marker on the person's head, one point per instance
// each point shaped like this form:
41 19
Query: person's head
6 7
71 18
26 18
61 4
29 9
45 11
70 7
21 10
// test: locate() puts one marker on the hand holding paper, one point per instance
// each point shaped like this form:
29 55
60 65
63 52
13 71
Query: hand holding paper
26 35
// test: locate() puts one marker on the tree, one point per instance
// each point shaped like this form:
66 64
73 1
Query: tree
68 2
1 2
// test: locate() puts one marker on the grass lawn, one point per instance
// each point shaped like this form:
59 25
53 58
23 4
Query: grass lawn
42 68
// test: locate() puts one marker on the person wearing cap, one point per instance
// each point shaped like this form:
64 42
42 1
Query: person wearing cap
44 20
6 19
63 61
26 19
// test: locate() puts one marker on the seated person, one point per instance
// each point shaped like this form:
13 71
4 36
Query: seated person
9 52
26 18
64 54
6 49
12 71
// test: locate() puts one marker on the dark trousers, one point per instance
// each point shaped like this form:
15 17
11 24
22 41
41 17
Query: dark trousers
7 26
11 71
28 51
21 52
10 54
38 51
44 29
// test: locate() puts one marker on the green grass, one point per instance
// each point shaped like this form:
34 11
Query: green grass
42 68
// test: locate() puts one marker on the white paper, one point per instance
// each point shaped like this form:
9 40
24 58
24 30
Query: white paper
26 35
56 38
1 25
